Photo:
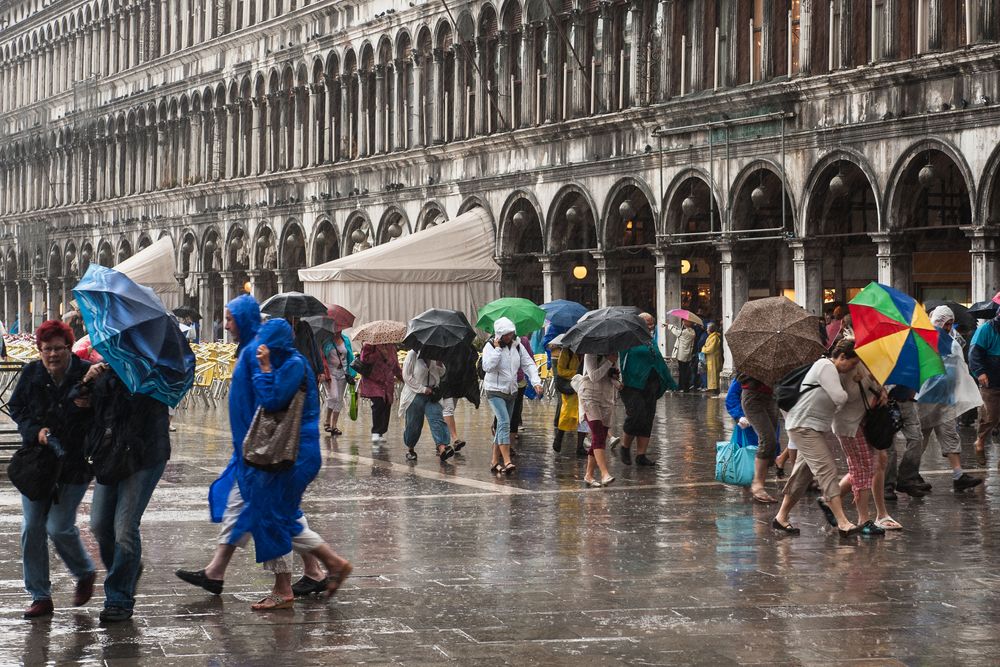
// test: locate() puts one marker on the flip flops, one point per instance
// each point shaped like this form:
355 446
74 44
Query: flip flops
272 602
888 523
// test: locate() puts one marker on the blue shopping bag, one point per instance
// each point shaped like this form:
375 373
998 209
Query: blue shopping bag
734 460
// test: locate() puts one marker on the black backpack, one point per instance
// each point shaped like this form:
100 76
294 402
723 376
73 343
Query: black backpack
789 389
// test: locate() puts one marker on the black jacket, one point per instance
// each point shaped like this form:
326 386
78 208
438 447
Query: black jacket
38 403
134 417
460 379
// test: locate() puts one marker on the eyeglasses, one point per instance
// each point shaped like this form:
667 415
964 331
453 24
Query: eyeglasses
54 350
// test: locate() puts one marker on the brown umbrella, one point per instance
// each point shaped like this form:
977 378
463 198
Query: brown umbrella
379 332
773 336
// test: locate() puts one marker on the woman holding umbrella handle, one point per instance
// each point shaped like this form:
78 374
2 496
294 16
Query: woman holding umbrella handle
503 356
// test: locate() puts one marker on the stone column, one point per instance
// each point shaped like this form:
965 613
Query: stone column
668 293
609 279
735 292
380 114
402 107
317 141
194 164
553 102
553 279
227 296
344 149
25 306
159 164
985 262
807 265
508 276
361 113
334 119
256 137
232 112
934 11
205 306
895 261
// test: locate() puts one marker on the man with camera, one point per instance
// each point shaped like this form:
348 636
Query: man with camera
421 397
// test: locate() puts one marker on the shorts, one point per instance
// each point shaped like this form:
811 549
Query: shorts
447 407
860 460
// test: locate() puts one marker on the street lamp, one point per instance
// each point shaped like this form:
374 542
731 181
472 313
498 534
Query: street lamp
579 271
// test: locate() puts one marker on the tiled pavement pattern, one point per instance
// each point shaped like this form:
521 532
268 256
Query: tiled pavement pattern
454 566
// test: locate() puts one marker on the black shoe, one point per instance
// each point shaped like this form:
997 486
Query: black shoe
446 452
827 512
557 442
911 490
889 494
966 481
458 445
869 529
411 455
789 529
851 532
308 586
779 472
336 432
198 578
626 455
581 451
115 614
643 460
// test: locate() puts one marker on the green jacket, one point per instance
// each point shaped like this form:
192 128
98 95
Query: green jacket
638 362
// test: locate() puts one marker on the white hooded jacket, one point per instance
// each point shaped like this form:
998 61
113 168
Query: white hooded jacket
501 364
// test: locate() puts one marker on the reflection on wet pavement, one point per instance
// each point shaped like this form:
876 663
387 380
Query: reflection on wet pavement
453 564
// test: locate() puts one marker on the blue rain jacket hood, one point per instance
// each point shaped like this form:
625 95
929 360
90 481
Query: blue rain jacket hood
246 313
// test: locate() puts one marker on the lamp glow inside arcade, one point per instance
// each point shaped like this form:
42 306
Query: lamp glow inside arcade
579 271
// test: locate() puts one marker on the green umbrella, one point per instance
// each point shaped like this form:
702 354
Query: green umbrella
526 316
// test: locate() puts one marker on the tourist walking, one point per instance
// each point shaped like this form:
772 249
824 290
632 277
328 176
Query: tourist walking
984 362
597 388
460 381
379 385
903 472
808 423
516 415
712 349
249 501
942 399
337 359
684 355
645 377
567 418
46 413
141 424
502 358
420 399
761 412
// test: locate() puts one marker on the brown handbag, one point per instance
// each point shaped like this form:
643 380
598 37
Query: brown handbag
272 442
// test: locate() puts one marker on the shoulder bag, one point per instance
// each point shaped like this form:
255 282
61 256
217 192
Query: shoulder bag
34 469
272 441
881 422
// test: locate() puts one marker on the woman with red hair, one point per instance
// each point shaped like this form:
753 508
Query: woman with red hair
48 412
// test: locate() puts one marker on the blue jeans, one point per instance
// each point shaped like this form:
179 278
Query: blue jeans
415 413
58 522
114 520
502 409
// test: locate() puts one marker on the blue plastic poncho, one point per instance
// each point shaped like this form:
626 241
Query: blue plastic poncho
271 500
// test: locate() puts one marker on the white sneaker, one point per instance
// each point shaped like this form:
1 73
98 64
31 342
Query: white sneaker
375 437
381 438
614 442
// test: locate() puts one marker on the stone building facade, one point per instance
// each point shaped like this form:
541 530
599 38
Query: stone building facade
661 153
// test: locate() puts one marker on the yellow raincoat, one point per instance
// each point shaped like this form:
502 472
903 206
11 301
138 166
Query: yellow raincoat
713 360
567 367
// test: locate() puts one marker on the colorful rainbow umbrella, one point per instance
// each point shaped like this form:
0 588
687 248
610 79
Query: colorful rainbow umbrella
894 337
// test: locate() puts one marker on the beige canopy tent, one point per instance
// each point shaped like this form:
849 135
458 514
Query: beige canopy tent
153 267
447 266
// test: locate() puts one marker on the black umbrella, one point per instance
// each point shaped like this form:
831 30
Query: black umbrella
984 310
618 310
606 331
439 328
184 311
962 316
292 304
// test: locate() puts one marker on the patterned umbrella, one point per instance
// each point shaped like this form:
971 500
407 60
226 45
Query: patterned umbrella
526 316
895 338
772 336
379 332
129 326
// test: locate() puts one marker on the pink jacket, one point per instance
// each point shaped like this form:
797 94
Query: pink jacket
385 371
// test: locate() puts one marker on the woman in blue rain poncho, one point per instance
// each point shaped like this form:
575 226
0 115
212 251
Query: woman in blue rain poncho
251 502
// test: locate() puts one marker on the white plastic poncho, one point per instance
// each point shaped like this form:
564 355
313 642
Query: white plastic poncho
953 393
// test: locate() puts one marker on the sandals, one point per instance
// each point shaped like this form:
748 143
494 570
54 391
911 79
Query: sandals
445 452
496 468
763 497
593 483
607 481
888 523
307 586
458 445
271 602
827 512
335 579
337 431
509 469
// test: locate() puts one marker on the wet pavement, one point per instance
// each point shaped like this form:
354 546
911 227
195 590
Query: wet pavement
453 565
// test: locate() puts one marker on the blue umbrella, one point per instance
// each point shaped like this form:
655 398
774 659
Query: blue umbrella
136 335
563 313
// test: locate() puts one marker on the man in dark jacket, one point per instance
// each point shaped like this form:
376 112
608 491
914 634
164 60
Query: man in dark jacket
984 363
140 426
43 406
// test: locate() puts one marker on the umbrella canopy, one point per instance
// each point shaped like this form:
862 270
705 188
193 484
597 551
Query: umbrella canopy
342 317
895 338
683 314
984 310
130 327
621 310
558 341
772 336
184 311
379 332
962 317
562 313
525 315
606 331
337 318
293 304
439 327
